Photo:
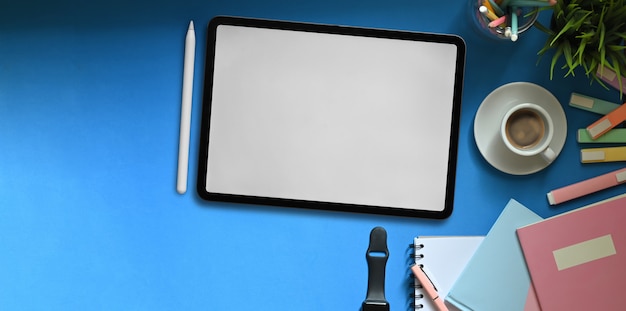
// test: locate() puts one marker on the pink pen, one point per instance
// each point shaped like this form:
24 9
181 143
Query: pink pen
586 187
497 22
429 287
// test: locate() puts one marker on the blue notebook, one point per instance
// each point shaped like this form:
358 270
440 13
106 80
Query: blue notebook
496 277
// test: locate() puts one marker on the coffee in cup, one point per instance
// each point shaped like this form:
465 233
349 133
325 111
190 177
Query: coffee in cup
527 130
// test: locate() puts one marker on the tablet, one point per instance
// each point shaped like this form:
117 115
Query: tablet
330 117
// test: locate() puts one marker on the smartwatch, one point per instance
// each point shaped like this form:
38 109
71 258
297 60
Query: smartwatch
376 255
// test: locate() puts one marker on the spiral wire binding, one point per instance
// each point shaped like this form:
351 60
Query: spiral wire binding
417 296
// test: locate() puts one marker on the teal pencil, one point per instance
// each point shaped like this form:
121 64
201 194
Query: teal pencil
514 23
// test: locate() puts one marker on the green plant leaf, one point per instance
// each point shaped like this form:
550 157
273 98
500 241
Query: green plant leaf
617 48
567 53
589 67
545 49
572 67
621 57
586 35
602 33
593 67
602 56
580 52
555 57
582 20
565 28
543 28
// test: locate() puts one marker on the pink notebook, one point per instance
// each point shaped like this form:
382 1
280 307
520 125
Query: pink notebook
577 260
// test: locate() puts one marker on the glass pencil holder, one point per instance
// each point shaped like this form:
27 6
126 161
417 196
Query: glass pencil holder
503 23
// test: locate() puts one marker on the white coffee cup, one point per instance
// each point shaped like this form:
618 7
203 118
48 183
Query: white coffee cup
527 130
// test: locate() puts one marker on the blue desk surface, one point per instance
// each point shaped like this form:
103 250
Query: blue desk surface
89 121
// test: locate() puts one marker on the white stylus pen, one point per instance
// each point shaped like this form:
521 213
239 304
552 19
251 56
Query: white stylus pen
185 113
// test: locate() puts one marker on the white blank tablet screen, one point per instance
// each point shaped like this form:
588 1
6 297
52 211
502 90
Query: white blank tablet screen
331 118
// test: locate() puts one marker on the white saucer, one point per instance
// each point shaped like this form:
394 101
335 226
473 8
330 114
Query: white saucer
490 114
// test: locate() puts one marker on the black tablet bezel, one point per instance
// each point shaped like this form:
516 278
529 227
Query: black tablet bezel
341 30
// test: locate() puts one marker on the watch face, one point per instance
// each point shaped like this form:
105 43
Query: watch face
375 306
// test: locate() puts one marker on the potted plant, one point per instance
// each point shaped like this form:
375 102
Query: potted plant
588 34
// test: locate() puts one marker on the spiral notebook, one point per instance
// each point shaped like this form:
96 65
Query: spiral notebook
443 257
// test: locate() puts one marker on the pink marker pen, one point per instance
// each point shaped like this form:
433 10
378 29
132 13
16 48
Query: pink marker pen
429 287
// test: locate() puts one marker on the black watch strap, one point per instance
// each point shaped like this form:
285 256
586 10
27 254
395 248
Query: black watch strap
377 255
